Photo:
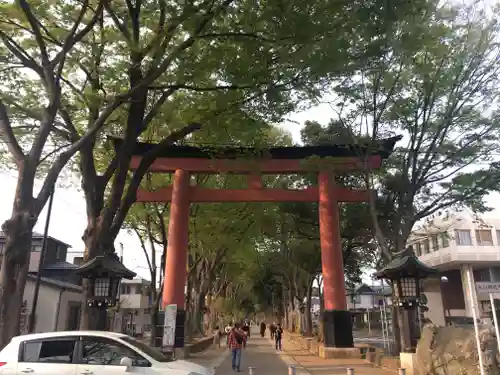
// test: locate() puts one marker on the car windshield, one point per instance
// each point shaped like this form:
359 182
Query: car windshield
150 351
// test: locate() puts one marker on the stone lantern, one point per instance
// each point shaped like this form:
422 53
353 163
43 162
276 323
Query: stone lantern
103 273
405 273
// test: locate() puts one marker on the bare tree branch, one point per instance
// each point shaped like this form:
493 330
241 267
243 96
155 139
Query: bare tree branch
9 137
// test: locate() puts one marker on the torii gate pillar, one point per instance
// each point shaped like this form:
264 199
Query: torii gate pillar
177 247
337 322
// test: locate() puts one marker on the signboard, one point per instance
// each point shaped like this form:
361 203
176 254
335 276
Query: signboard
169 325
485 287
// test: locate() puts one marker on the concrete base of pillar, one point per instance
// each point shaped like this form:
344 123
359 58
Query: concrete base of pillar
326 352
337 327
407 361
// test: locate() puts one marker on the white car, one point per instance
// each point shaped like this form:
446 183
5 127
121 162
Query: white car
88 353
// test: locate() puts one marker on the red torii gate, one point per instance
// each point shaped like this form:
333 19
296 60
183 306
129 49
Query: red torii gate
183 161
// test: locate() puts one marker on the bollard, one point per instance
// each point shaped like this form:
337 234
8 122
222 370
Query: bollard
250 371
291 370
350 371
402 371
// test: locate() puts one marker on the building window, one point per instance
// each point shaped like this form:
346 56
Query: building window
484 237
356 299
445 239
125 289
463 237
427 246
435 242
59 252
482 275
36 248
418 246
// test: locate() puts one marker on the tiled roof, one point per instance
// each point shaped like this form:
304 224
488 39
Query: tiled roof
40 236
56 283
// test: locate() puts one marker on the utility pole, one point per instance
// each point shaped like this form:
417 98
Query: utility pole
31 323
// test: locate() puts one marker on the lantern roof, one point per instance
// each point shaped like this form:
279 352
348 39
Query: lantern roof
105 265
405 264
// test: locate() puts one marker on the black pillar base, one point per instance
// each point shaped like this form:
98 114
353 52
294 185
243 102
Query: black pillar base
180 320
337 328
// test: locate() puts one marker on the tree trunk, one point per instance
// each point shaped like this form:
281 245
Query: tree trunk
197 311
14 272
308 313
93 248
189 310
156 297
321 333
397 322
16 253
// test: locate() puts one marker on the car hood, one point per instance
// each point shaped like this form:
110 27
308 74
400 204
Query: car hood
187 366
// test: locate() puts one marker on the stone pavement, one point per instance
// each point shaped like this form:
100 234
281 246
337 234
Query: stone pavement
309 364
259 354
265 360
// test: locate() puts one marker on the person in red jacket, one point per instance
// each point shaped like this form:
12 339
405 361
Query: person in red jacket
235 342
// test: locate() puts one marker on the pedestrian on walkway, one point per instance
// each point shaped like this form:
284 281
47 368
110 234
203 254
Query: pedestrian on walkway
236 341
278 336
272 329
246 329
262 329
217 336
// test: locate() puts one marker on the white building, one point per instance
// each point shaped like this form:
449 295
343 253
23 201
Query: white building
58 306
135 306
458 243
368 297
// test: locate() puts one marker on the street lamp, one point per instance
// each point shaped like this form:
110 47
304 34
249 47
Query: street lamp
103 274
405 273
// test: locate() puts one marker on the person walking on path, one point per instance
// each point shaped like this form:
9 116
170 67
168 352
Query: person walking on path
272 329
236 341
262 329
217 336
278 336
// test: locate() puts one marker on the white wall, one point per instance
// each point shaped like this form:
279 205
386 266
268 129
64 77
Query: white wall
67 298
52 305
134 301
432 290
455 252
47 305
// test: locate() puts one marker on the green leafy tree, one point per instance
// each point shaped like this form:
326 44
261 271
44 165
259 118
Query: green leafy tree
35 43
136 65
207 60
439 91
437 86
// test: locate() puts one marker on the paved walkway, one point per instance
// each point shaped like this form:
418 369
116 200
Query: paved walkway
308 364
261 356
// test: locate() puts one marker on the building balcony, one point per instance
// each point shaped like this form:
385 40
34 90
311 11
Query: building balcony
453 255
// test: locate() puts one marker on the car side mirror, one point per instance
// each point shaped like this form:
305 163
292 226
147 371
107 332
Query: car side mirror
127 362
